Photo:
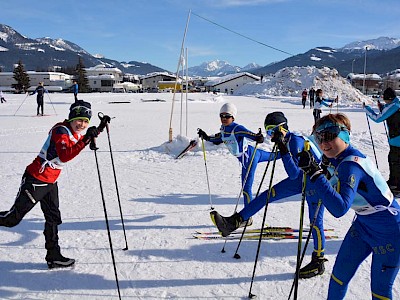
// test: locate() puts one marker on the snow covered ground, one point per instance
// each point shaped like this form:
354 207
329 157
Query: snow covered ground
163 200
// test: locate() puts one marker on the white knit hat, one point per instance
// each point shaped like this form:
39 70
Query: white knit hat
229 108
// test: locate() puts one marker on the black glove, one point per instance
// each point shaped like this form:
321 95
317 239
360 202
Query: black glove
308 164
279 139
104 120
325 163
203 135
259 138
91 133
380 106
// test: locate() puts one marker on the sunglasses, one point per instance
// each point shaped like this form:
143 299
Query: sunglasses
328 134
225 116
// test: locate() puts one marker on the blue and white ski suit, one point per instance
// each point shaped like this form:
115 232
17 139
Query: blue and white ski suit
293 186
235 136
357 184
391 114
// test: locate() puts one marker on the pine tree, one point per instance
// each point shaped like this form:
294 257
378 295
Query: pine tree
22 79
81 78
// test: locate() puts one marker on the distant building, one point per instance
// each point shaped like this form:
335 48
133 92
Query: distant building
230 83
154 82
373 83
392 80
53 81
102 78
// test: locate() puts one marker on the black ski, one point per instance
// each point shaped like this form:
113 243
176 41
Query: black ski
192 144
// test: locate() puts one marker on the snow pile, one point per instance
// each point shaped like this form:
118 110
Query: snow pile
291 81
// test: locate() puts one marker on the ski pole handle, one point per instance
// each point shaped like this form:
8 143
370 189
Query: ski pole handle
104 121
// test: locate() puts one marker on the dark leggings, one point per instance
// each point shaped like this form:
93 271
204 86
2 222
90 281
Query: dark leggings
31 192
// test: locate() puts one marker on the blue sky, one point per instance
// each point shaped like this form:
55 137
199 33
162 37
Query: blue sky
152 30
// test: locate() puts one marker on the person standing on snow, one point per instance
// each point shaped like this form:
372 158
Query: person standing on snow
319 102
356 183
236 137
75 90
304 98
2 97
311 95
289 145
390 112
40 90
39 182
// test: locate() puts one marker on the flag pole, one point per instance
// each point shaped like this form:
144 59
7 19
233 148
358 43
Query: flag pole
177 76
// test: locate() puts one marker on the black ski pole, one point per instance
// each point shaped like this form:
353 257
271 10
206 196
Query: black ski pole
104 121
263 224
243 184
27 94
94 148
306 244
372 141
236 255
205 164
303 200
51 102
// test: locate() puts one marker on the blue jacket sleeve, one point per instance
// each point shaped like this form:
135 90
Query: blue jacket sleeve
216 139
242 131
339 202
387 111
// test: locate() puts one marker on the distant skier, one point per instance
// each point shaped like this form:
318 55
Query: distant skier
319 102
304 98
40 90
390 112
75 89
311 95
39 182
2 99
236 137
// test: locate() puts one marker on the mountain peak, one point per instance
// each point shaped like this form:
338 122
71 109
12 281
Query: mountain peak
381 43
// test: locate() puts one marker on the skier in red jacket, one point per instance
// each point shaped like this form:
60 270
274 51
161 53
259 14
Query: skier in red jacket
39 182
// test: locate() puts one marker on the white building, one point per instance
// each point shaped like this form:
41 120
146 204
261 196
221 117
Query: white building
53 81
102 79
151 82
230 83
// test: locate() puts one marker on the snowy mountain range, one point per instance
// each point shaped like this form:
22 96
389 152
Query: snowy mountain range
383 56
47 54
42 54
219 68
381 43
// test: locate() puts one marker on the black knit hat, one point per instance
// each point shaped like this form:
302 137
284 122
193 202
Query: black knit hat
389 94
276 118
80 110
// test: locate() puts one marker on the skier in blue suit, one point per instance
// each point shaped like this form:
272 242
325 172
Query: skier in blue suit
235 137
289 145
356 183
390 112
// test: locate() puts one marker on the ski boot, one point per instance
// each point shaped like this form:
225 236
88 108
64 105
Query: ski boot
226 224
249 223
314 268
56 260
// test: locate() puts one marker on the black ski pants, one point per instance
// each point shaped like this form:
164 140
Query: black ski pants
30 193
394 165
317 115
39 101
